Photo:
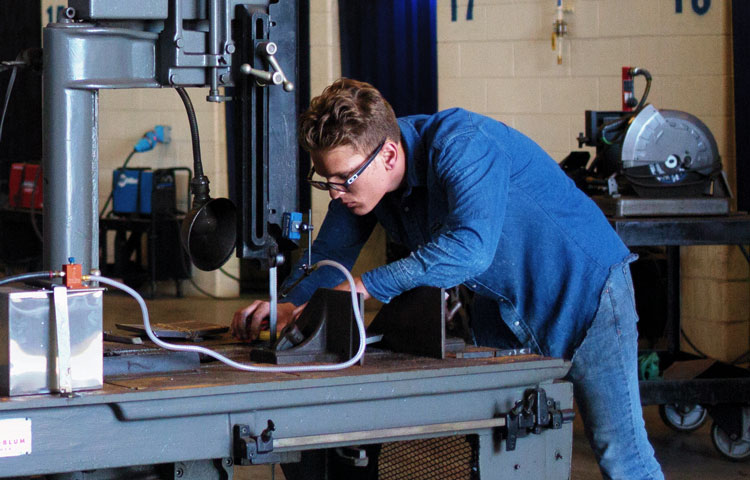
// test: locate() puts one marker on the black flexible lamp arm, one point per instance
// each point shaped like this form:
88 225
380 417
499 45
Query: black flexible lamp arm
199 183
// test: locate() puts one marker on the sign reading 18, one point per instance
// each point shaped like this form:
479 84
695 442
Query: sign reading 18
699 6
53 12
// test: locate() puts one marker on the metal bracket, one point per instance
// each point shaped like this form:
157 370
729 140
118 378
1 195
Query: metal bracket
534 413
612 188
352 456
62 338
258 449
325 332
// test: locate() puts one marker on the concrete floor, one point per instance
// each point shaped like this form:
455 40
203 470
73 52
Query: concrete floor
682 456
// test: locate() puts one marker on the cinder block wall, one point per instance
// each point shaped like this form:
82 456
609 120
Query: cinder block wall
325 67
501 64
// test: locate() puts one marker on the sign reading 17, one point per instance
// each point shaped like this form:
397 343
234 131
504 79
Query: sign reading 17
699 6
53 12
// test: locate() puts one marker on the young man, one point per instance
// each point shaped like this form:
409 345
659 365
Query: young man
480 204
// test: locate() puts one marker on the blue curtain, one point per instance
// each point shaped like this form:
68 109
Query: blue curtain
392 44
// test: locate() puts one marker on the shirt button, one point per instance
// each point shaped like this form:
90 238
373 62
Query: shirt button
516 323
406 209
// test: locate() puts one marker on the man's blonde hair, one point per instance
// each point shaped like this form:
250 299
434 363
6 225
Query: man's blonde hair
351 113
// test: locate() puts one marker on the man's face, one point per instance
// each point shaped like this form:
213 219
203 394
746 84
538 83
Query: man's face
339 164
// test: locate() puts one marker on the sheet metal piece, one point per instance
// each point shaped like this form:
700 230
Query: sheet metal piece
62 338
188 329
414 322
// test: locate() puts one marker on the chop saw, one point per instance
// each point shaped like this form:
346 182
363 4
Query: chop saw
650 161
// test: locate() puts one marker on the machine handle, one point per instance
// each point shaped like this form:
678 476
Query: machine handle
268 51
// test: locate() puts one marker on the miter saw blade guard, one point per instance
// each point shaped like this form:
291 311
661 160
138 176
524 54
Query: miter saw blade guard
669 154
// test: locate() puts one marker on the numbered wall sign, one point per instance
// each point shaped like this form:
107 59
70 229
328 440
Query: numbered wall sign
699 6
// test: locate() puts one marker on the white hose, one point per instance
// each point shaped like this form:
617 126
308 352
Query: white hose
242 366
28 276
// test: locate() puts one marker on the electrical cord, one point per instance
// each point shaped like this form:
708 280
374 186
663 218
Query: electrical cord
245 367
744 252
29 58
189 276
112 192
744 358
236 279
8 91
197 164
38 233
624 121
692 345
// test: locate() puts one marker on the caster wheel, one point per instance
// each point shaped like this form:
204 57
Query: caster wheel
683 417
736 450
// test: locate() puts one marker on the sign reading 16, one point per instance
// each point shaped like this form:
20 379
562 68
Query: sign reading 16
699 6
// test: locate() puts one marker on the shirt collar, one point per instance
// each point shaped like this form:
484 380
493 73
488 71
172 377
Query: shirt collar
416 175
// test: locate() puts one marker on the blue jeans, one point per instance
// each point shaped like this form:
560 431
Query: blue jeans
604 375
605 384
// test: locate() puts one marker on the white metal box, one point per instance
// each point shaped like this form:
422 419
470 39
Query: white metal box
28 340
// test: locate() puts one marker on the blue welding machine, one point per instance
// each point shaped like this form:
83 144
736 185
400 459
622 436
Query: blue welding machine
131 190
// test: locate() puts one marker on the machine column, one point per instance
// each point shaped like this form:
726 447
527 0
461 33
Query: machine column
71 157
80 59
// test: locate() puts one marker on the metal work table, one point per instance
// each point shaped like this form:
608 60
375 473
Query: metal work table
189 417
733 229
672 233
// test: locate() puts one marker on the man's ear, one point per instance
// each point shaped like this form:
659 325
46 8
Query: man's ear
390 155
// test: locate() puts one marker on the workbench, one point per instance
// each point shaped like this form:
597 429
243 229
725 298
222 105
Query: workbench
672 233
186 420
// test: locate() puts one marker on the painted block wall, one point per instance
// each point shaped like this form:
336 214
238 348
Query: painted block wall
325 67
501 64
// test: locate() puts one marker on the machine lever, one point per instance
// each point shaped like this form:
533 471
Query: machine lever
268 50
258 449
535 413
273 78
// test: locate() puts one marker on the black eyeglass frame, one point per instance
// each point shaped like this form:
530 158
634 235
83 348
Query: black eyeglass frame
344 187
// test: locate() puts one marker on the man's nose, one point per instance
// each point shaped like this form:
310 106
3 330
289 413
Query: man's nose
334 193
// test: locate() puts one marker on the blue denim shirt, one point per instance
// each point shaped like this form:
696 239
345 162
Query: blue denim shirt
486 207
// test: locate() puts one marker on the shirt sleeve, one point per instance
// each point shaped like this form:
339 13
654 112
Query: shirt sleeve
340 238
474 172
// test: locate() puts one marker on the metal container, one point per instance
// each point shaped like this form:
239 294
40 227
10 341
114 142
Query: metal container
28 340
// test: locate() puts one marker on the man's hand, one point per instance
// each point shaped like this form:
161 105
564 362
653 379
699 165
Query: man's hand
357 283
246 322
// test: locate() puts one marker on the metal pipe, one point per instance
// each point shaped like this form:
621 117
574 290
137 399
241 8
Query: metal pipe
214 44
388 433
273 314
